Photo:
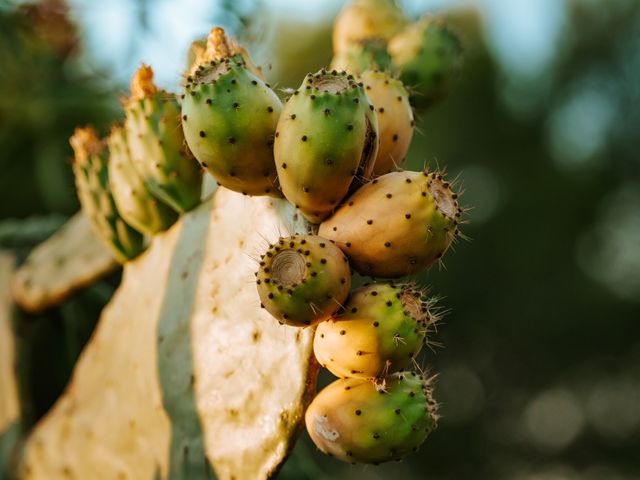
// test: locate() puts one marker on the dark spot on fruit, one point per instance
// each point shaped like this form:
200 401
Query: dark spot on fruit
202 134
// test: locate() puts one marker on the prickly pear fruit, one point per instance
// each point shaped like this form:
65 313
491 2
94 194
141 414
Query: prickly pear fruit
303 280
362 55
157 144
428 55
380 331
364 19
92 184
135 203
397 224
327 135
395 119
229 117
356 420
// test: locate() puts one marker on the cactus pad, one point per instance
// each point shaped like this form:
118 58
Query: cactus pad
196 382
70 259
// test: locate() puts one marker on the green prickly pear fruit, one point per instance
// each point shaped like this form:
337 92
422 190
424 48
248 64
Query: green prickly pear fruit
362 55
395 119
327 136
303 279
428 55
157 144
364 19
135 203
229 117
92 184
356 420
396 225
380 331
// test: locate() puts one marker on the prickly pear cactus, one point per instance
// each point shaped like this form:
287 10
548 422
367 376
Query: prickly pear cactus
380 331
303 279
428 55
9 401
356 420
90 168
171 384
157 144
366 19
229 118
395 119
327 136
135 203
70 259
397 224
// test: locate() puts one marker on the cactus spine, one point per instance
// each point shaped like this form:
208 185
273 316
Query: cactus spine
229 117
92 184
327 135
157 144
397 224
380 331
303 279
356 420
135 203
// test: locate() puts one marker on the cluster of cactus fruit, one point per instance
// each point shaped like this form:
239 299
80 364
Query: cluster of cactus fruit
333 149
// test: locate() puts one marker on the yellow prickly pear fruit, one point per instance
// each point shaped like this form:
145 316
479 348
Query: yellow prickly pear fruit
356 420
395 119
365 19
380 331
397 224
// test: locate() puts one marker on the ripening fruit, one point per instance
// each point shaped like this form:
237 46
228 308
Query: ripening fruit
356 420
395 119
229 118
369 54
135 203
303 280
380 331
90 168
397 224
428 55
366 19
326 137
157 145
